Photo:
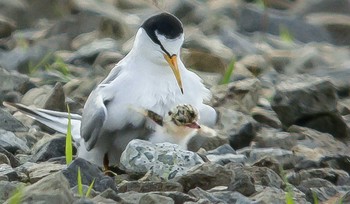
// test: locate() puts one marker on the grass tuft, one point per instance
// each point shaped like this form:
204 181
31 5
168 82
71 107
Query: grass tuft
69 143
285 34
80 183
89 189
227 76
16 198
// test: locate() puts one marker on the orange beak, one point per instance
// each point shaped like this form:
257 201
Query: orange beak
172 61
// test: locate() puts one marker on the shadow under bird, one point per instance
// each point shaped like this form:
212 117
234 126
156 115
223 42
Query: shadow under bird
151 76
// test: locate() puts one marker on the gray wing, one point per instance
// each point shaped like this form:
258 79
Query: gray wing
95 112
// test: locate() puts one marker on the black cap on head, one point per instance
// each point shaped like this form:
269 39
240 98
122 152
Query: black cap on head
165 24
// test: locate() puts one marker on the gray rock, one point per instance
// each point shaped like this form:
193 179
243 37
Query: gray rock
51 189
332 175
206 176
177 196
6 189
75 190
300 30
225 154
14 162
11 81
9 172
131 197
83 201
10 142
10 123
51 149
268 137
148 186
89 172
164 159
19 59
243 136
241 95
203 61
324 194
307 184
243 184
36 172
220 196
267 117
7 26
310 102
274 195
155 198
4 159
341 162
306 7
88 53
111 194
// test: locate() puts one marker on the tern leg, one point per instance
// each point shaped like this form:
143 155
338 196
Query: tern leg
106 169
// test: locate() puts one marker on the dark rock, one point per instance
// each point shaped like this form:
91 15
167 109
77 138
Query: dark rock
307 184
332 175
270 163
56 99
219 197
53 148
206 176
310 102
241 95
51 189
11 142
155 198
164 159
341 162
14 162
243 184
268 137
224 154
7 26
207 143
273 21
111 194
10 123
243 137
89 172
148 186
9 172
324 194
266 117
177 196
19 59
88 53
11 81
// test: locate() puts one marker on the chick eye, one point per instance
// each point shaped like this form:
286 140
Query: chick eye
169 113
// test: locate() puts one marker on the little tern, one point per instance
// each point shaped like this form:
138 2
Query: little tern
178 126
151 76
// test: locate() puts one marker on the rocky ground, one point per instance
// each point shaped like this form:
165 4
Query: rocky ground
284 115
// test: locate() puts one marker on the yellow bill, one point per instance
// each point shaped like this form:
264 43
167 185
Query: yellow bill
172 61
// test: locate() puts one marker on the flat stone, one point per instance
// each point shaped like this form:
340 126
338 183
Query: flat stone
10 123
10 142
9 172
148 186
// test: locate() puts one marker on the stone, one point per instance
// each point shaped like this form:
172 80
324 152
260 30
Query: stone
268 137
243 184
267 117
256 64
310 102
307 184
9 172
51 149
301 30
208 143
89 172
241 95
10 123
10 142
14 162
206 176
88 53
7 26
4 159
341 162
51 189
75 190
164 159
225 154
131 197
148 186
204 62
177 196
219 197
6 189
243 137
38 171
332 175
325 194
12 81
107 58
154 198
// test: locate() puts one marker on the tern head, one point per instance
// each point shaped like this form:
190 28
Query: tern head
184 115
165 32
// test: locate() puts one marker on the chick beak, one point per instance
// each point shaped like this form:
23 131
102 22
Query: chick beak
193 125
172 61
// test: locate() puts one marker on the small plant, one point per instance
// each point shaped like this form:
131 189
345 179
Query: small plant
80 185
17 195
69 144
289 194
285 34
227 76
42 63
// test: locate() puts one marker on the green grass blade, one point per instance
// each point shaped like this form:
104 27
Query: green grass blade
69 144
80 183
285 34
89 189
228 73
17 195
314 195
